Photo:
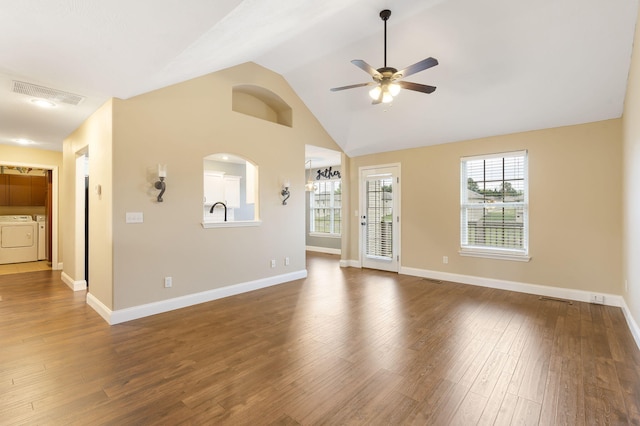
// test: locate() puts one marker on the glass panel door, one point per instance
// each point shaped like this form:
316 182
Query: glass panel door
380 220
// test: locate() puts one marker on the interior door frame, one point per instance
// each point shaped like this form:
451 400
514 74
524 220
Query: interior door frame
380 168
55 265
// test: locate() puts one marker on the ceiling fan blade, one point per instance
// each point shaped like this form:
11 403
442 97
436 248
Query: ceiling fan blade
417 67
417 87
351 86
367 68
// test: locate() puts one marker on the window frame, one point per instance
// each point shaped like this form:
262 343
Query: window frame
312 209
494 252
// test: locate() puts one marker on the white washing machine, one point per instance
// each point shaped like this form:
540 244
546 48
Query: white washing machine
18 239
41 221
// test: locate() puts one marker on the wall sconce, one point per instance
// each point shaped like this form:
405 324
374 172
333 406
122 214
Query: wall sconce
285 192
162 174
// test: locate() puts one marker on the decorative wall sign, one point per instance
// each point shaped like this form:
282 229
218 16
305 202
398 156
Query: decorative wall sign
328 173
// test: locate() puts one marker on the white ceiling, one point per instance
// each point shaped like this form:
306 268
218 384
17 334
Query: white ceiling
505 65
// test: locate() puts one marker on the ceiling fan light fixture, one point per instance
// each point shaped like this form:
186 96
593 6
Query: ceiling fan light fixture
394 89
375 92
387 97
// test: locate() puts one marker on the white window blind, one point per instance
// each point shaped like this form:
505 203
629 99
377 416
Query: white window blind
494 204
325 208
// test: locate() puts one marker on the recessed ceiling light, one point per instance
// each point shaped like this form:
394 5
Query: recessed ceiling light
23 141
43 103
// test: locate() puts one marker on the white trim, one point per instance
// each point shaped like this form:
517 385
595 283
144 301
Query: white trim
99 307
323 250
232 224
324 235
350 263
509 154
495 254
631 322
72 284
540 290
141 311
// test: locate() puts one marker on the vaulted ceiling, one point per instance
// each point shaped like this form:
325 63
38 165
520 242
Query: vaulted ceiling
504 65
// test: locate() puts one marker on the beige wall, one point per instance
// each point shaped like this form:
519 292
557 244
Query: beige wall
35 157
631 125
93 137
178 126
575 197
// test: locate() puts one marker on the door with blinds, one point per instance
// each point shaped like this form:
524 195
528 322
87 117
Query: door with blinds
380 217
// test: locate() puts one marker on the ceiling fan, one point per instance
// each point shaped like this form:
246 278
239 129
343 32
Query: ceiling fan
387 80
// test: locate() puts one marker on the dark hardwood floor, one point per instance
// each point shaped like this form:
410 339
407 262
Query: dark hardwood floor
344 346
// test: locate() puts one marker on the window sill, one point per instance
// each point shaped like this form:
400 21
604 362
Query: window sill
495 254
323 235
231 224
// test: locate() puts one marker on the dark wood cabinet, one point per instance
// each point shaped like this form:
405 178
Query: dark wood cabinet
20 190
4 191
38 190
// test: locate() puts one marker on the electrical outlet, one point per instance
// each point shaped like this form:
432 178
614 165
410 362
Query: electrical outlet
286 261
273 263
445 259
597 299
168 282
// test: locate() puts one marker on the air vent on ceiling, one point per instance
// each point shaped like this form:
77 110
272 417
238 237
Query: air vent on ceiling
52 95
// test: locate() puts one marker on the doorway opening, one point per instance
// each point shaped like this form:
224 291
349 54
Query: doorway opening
82 216
42 186
323 200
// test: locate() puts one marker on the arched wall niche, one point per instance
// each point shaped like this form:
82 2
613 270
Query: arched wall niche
261 103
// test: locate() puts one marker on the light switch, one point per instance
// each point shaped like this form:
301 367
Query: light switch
135 217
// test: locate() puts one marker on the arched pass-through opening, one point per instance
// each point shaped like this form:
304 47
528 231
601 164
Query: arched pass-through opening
230 197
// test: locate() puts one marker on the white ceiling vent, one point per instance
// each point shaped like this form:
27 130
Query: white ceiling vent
47 93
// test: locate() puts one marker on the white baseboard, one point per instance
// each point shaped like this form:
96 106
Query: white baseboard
631 322
99 307
141 311
350 263
323 250
540 290
74 285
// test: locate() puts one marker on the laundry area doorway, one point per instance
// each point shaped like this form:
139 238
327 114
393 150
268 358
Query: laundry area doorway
28 217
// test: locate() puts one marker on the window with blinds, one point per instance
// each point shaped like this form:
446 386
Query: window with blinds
379 217
494 205
325 208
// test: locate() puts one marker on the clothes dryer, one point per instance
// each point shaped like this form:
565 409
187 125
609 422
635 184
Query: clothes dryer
18 239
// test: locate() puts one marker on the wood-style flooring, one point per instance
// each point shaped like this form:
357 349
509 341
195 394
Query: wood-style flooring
344 346
18 268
